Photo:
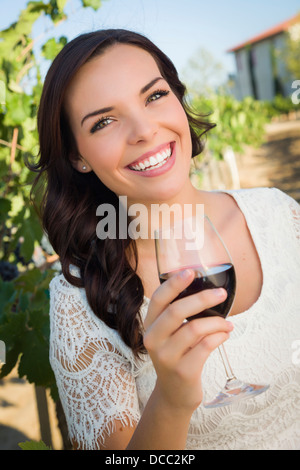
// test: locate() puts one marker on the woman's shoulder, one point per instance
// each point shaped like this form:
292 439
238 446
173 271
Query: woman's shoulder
252 204
263 194
270 208
68 303
264 201
66 297
59 284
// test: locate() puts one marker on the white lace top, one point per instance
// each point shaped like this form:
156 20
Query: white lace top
100 381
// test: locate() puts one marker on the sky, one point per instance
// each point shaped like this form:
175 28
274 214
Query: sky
178 27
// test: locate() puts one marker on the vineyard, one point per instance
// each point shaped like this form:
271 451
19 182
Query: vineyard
27 261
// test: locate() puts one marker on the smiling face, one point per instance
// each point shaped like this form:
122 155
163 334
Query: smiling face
129 127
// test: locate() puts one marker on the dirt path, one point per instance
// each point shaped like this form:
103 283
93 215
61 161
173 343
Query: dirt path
19 420
276 163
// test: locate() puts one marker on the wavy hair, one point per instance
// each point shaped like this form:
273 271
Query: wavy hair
70 198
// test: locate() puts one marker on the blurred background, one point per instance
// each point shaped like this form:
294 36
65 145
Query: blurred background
241 64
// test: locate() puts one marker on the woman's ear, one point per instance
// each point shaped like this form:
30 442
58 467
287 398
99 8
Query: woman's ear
80 164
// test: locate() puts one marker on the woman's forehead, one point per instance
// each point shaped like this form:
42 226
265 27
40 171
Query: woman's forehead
120 70
116 64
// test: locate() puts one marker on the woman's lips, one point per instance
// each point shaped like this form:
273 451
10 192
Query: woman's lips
155 163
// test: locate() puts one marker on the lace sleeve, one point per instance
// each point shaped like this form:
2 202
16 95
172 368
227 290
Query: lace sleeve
95 380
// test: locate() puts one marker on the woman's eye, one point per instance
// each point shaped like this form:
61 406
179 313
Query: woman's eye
157 95
103 122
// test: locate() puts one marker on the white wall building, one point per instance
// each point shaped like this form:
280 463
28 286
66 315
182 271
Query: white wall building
261 73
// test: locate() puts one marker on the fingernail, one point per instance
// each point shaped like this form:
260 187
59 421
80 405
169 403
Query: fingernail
185 274
230 325
220 292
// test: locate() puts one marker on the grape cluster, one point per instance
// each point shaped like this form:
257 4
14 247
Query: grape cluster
8 271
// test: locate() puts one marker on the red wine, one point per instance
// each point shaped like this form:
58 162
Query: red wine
222 275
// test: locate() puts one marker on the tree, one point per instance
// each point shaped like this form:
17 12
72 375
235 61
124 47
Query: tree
203 73
238 123
292 49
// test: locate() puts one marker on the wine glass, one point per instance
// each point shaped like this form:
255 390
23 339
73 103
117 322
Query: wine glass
194 243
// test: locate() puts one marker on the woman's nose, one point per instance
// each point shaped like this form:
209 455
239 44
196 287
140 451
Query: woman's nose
142 128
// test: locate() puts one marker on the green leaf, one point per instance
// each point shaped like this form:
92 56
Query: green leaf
11 360
5 206
18 109
29 140
51 48
61 4
12 328
18 209
7 296
34 362
95 4
29 232
33 445
30 280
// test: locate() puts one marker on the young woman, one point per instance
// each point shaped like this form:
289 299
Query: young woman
131 375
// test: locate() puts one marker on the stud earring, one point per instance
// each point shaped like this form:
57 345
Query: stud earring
84 167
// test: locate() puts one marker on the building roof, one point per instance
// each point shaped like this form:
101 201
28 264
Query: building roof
279 28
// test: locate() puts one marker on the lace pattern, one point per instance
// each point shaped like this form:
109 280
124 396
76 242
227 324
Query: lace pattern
94 369
100 382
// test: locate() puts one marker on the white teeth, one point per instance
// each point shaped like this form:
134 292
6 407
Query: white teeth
154 161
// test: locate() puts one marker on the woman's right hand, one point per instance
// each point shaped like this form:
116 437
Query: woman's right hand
179 349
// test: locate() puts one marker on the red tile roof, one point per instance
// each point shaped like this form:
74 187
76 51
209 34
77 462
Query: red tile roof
280 28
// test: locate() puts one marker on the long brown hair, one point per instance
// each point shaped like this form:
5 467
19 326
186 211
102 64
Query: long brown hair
70 198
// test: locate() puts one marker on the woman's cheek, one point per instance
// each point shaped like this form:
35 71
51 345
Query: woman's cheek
99 153
176 118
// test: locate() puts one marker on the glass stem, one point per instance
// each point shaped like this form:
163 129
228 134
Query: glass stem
229 372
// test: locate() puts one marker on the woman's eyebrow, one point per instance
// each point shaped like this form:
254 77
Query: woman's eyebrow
98 111
111 108
150 84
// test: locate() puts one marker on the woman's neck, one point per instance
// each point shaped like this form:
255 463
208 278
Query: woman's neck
149 216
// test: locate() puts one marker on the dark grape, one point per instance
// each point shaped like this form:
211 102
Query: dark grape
8 271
